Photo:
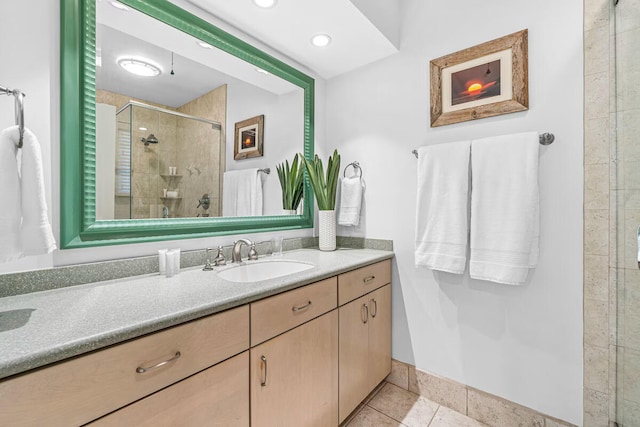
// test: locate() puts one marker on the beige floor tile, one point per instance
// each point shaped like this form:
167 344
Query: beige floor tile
438 389
408 408
369 417
374 392
446 417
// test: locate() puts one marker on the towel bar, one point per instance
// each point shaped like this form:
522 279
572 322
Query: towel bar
19 108
545 139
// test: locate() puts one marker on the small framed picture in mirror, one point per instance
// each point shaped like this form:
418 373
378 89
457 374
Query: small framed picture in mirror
249 138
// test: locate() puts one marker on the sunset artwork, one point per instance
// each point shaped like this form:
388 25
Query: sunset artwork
248 138
472 84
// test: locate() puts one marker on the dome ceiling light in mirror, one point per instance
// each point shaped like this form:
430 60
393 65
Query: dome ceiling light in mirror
288 28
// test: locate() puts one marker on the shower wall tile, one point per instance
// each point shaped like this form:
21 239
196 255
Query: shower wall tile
596 277
596 323
632 310
596 368
596 186
597 97
596 14
596 50
629 15
630 415
596 141
631 219
631 387
596 227
596 408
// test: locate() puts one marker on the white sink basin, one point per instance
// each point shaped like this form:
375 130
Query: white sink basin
255 271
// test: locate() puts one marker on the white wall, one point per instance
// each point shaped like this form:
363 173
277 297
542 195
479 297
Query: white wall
283 133
522 343
30 48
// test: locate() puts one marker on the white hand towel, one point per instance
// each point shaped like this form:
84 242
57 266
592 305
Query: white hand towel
37 236
242 193
10 214
350 200
441 217
504 208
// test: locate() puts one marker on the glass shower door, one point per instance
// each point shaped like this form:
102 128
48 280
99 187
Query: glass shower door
627 151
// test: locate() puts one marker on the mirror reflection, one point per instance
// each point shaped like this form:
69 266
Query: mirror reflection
167 106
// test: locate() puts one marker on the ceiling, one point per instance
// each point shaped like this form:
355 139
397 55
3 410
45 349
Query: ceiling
289 25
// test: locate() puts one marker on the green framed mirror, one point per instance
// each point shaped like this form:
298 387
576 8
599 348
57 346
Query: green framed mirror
79 179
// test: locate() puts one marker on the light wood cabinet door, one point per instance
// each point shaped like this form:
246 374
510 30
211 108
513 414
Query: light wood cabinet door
379 303
365 347
294 376
354 354
218 396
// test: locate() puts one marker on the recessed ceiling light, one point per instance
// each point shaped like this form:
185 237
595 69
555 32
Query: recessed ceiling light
265 4
204 45
261 71
119 5
320 40
142 128
139 67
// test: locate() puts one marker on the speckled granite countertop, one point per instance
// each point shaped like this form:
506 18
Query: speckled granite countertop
40 328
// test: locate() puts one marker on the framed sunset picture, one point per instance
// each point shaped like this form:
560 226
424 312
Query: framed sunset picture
249 138
482 81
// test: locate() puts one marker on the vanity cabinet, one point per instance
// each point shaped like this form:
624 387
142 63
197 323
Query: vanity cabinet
294 377
218 396
365 333
82 389
294 357
307 357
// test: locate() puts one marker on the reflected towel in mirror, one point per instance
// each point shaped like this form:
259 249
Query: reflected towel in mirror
242 193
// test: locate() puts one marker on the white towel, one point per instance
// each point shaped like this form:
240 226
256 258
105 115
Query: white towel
242 193
26 207
504 208
441 216
350 200
10 213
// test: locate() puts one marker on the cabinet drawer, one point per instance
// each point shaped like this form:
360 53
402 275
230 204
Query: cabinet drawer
85 388
358 282
279 313
218 396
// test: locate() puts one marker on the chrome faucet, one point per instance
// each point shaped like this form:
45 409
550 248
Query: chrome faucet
237 245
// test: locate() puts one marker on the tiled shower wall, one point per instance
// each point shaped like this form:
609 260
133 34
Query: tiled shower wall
191 146
612 213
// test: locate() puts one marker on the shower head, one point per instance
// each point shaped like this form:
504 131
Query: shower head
151 139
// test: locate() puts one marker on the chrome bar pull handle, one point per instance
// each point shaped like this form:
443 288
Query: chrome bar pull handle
374 307
297 308
142 370
364 310
263 383
368 279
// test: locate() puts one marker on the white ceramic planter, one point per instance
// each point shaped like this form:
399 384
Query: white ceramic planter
327 230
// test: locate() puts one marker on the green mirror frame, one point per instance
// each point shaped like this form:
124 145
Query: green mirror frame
78 225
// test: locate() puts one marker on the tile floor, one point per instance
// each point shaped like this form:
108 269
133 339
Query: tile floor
392 406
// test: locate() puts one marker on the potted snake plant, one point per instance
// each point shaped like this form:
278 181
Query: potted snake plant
324 187
291 181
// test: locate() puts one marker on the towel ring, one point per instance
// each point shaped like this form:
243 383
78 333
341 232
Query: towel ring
356 167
